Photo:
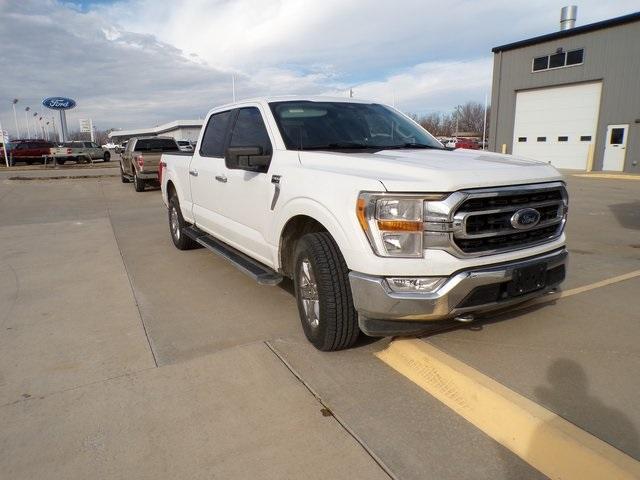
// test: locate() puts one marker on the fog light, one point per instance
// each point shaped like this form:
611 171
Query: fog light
415 284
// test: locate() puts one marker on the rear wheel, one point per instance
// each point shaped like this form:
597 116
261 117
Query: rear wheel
60 162
177 226
123 177
323 293
138 183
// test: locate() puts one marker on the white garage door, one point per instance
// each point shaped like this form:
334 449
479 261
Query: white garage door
557 124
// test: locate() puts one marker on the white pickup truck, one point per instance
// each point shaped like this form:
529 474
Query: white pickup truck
382 229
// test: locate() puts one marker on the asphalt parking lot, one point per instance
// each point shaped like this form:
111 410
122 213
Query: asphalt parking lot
122 357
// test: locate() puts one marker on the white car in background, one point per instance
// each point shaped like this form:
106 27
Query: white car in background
185 145
109 146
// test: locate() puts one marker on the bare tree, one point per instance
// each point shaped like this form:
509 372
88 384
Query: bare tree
471 117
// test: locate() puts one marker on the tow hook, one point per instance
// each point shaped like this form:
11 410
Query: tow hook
464 318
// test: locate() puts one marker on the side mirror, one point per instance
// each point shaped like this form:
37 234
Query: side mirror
247 158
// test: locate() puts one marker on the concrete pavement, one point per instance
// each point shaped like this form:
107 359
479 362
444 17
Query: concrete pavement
127 299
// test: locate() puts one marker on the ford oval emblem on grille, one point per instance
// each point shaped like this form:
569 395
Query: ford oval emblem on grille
525 218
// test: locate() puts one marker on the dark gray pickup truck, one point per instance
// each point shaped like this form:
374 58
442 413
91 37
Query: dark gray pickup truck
139 162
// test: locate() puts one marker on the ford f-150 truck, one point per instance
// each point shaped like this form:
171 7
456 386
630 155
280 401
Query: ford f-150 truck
382 229
139 162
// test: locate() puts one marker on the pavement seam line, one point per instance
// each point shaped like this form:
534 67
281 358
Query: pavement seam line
557 448
124 264
585 288
336 417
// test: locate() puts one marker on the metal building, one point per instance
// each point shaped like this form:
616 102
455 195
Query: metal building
179 129
572 97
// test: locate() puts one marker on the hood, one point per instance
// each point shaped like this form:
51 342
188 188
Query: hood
433 170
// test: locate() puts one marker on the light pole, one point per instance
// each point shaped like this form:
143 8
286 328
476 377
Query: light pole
15 117
35 124
26 119
457 119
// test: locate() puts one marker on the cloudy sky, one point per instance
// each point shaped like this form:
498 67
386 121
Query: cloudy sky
132 63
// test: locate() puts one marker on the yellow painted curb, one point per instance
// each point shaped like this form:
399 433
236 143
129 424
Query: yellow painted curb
554 446
617 176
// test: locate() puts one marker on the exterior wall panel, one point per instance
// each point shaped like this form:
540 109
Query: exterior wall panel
611 55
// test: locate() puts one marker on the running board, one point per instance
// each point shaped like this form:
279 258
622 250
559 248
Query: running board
256 270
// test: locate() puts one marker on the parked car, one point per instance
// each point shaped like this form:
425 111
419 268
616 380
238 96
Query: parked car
185 145
29 151
381 229
109 146
139 162
121 148
80 151
468 143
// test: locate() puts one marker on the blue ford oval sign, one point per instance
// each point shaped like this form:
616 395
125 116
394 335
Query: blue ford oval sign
59 103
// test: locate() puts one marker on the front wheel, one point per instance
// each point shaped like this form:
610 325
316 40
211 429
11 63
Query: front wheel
107 156
323 293
177 226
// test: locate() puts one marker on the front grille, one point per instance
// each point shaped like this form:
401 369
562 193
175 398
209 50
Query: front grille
484 219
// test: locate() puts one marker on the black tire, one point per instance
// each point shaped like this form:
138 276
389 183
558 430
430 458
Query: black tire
60 162
177 226
29 162
107 156
124 178
138 183
337 322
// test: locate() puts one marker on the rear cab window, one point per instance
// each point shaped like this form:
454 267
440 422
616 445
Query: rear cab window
156 145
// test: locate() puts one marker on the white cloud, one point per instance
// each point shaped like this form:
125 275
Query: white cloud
143 62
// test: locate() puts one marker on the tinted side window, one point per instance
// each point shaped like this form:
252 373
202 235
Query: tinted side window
540 63
249 131
556 60
214 136
575 57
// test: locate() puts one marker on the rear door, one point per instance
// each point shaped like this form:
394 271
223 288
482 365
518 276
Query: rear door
94 150
242 198
205 172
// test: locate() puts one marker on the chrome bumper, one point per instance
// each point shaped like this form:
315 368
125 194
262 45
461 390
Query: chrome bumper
148 175
374 299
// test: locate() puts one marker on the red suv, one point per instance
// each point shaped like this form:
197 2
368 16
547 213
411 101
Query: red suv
29 151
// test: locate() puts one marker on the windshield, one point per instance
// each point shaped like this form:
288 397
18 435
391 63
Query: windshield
307 125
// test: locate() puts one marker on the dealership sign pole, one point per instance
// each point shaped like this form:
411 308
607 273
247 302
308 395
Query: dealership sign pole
62 104
5 140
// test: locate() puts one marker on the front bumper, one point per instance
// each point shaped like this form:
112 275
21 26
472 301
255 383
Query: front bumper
385 312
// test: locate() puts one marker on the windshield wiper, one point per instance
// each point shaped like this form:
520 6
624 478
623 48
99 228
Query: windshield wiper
407 145
337 146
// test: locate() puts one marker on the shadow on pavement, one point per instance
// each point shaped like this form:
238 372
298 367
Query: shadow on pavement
567 395
627 214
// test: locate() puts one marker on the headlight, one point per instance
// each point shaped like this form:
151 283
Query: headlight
393 223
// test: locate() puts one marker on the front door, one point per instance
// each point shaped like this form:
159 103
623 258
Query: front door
615 148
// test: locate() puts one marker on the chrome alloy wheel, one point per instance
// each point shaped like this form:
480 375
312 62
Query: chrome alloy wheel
308 291
174 223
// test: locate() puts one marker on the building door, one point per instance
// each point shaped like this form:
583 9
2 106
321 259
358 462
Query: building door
615 148
557 124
